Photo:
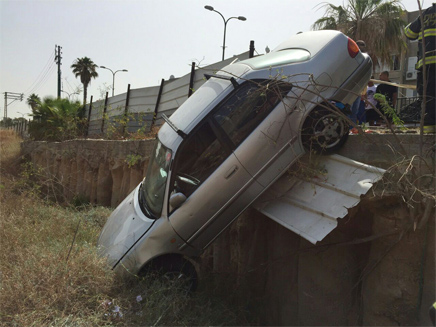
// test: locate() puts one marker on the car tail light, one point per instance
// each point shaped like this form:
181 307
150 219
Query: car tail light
353 49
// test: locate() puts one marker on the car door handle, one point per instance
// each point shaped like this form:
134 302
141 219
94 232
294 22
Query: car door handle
231 171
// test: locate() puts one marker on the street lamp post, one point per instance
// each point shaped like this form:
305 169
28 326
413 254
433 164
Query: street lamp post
225 24
69 94
113 76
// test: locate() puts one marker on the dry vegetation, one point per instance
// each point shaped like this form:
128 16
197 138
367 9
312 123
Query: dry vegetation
43 284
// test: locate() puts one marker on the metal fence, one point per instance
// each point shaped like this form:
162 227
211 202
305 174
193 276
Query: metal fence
21 128
140 109
409 109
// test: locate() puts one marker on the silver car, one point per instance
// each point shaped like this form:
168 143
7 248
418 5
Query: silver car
236 135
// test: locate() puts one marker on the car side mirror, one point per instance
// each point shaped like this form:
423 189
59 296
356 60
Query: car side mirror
176 200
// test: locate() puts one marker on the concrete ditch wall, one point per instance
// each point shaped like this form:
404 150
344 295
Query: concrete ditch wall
371 270
99 171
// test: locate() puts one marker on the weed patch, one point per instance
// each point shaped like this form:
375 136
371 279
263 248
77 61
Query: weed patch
51 275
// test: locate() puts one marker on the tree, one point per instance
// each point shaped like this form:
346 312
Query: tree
6 122
86 70
33 101
377 22
56 120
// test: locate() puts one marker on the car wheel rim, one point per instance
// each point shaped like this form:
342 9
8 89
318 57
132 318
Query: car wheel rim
329 130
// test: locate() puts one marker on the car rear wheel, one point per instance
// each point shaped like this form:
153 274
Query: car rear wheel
324 131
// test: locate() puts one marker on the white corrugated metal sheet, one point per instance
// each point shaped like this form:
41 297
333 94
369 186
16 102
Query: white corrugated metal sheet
311 207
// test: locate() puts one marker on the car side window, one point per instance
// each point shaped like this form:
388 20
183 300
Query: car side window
199 157
240 114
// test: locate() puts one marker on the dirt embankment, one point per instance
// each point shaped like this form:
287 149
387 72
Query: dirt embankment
373 269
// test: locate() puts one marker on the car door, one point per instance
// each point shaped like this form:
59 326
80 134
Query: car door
215 184
224 187
262 128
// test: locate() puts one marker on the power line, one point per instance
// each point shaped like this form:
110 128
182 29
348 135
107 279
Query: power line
11 96
44 71
44 79
71 88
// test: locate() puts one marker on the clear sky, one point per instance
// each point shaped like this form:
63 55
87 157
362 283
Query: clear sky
152 39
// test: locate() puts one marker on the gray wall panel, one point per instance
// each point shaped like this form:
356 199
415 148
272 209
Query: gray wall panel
142 101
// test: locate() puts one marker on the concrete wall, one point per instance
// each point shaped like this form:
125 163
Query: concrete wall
373 269
99 171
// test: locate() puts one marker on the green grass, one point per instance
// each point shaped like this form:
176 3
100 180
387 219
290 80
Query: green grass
40 287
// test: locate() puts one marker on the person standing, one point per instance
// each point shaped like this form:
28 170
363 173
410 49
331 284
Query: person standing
389 91
414 31
370 103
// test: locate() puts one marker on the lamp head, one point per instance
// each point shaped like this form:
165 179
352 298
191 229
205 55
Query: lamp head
208 8
102 67
242 18
124 70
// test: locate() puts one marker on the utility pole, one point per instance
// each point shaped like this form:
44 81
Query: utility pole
58 61
11 96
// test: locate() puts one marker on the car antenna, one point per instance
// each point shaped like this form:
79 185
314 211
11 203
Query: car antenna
174 127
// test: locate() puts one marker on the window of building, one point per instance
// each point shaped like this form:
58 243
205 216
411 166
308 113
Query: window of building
395 62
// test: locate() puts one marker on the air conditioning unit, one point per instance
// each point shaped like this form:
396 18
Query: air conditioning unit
411 75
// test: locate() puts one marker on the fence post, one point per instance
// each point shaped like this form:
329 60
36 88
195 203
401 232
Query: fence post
251 54
157 103
89 117
104 112
191 80
126 107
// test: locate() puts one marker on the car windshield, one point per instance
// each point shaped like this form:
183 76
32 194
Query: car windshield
282 57
153 188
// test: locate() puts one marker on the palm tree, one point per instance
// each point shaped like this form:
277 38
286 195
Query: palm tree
56 119
85 69
33 101
377 22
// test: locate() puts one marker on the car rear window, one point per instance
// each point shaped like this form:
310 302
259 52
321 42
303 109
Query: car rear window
248 106
279 58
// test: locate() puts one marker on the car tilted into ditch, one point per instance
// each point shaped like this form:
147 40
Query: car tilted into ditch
225 145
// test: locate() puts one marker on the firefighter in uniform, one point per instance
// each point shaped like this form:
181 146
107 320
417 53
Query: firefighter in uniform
413 31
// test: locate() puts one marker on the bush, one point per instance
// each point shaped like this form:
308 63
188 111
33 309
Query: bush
57 120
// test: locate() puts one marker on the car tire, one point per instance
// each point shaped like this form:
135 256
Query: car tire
324 131
174 269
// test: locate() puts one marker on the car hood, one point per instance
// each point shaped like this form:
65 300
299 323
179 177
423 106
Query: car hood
124 228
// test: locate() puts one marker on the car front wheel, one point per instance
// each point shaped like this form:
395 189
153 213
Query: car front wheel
174 270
